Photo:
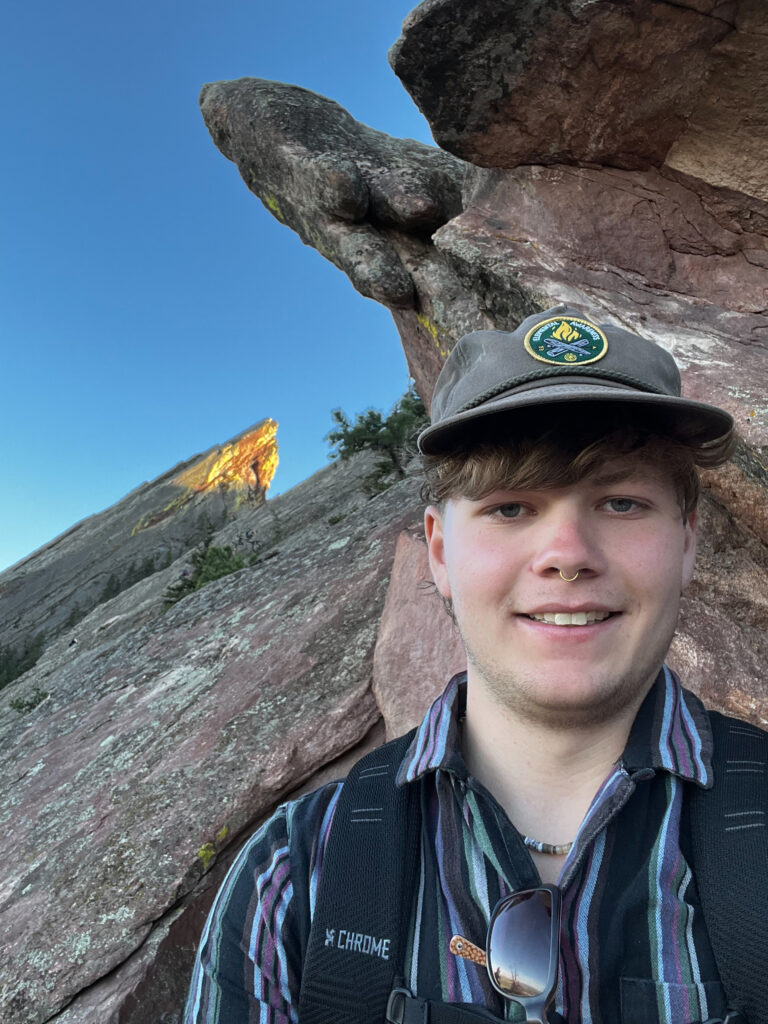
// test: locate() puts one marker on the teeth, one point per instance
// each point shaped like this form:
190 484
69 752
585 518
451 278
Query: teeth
570 618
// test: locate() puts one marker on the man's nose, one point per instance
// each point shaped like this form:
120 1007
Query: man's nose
567 543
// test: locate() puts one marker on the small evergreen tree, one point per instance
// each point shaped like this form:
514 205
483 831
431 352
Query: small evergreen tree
111 589
208 563
29 703
394 436
147 567
15 663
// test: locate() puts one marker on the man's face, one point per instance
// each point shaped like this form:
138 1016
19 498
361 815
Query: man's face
499 558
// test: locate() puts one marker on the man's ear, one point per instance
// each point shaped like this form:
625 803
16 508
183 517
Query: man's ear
433 531
691 527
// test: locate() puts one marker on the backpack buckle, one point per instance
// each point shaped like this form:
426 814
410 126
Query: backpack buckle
403 1008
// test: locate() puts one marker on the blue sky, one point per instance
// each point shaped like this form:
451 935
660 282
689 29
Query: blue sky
150 307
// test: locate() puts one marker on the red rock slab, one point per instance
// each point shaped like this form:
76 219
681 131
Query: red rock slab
505 84
635 248
418 648
726 139
150 758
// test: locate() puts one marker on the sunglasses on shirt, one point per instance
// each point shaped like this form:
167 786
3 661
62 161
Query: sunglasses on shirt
522 949
522 953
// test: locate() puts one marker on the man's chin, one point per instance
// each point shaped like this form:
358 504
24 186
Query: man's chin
575 715
569 700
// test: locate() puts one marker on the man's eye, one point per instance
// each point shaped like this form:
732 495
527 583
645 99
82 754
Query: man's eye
622 504
509 511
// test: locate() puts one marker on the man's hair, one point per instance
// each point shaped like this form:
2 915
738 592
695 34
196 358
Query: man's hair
553 448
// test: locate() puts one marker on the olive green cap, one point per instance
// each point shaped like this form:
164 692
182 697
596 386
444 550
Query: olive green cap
554 357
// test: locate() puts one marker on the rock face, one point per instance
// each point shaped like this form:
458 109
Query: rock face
538 82
667 257
610 161
158 749
418 646
334 180
52 590
366 201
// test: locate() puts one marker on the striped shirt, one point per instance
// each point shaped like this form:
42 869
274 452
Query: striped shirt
634 948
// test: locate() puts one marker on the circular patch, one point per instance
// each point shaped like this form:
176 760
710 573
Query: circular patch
566 341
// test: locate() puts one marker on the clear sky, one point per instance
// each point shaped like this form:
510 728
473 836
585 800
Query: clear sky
150 307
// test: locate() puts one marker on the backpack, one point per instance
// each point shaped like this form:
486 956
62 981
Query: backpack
374 847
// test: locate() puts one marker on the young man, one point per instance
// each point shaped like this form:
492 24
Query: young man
561 473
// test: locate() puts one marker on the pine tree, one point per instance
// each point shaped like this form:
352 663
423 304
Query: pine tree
208 563
393 436
15 663
111 589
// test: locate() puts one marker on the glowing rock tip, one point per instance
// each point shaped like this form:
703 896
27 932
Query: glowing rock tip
248 462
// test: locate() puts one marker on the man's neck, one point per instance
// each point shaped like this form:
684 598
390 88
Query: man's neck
544 776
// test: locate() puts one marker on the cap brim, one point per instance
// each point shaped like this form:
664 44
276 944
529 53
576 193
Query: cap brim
685 416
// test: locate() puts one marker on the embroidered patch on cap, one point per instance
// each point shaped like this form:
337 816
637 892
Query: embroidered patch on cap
566 341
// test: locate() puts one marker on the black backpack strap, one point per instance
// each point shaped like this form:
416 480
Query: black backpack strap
729 835
356 942
403 1008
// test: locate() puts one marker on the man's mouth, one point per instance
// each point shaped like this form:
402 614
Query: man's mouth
570 618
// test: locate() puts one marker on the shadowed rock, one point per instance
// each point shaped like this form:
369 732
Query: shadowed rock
365 201
156 751
337 183
543 82
726 137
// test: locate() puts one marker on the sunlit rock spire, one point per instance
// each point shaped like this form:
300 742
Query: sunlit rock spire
249 461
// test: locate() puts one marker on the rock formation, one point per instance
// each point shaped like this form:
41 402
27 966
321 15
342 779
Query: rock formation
54 588
595 139
612 84
606 153
163 737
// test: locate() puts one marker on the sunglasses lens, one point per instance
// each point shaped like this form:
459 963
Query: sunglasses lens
520 943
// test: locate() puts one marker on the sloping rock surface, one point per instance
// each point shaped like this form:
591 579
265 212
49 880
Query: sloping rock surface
53 589
157 751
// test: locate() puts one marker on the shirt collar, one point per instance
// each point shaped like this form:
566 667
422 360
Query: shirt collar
670 733
437 743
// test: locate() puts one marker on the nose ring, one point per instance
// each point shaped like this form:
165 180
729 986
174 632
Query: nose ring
568 579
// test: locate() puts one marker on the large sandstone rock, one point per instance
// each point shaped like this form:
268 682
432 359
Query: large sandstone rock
366 201
156 752
418 647
559 81
333 180
671 258
726 138
578 106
